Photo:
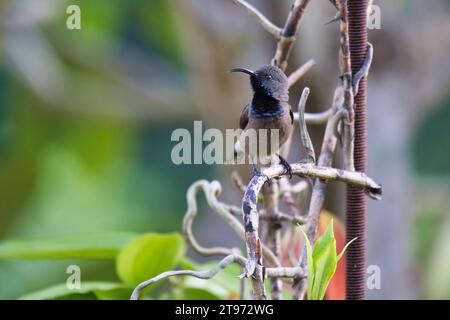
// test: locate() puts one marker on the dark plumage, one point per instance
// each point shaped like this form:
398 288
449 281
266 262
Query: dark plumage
269 109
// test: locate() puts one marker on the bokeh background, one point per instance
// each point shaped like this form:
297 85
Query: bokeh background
86 117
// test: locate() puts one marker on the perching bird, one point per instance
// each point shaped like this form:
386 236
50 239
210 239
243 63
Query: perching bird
269 109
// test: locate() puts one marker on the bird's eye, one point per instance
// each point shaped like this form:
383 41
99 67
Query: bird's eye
269 77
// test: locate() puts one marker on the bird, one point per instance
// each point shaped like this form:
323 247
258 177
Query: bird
269 109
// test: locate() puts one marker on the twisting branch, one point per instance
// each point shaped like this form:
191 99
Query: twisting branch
278 272
211 191
304 135
265 23
225 262
189 218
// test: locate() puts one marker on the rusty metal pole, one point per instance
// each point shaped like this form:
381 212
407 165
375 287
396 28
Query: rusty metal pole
356 201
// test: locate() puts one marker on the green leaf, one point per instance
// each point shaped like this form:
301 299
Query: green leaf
322 262
98 245
148 256
88 290
311 271
325 262
345 248
192 293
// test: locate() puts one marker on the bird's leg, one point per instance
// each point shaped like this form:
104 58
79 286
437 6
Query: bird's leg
286 165
256 172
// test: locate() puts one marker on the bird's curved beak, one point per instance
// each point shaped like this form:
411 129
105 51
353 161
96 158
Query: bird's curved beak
244 70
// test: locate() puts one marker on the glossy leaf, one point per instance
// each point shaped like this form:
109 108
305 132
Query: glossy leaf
98 245
148 256
311 271
87 290
322 262
325 261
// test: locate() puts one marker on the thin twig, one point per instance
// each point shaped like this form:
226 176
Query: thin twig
278 217
237 181
189 218
265 23
212 191
304 135
300 72
279 272
234 258
315 118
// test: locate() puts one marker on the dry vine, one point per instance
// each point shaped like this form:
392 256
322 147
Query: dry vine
340 114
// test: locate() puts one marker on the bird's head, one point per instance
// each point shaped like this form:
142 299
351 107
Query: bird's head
268 81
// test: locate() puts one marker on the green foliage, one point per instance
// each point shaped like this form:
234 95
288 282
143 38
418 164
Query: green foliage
99 245
322 262
148 256
137 257
431 144
94 289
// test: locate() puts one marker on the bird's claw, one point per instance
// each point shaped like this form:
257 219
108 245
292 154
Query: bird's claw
286 165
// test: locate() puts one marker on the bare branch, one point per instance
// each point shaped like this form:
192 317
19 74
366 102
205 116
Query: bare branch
300 72
265 23
211 191
295 272
326 174
273 237
284 44
282 217
348 102
364 71
304 135
198 274
278 272
315 118
189 218
237 181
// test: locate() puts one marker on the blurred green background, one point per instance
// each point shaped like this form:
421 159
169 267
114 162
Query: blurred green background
86 117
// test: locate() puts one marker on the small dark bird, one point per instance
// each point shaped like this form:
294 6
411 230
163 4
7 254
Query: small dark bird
269 109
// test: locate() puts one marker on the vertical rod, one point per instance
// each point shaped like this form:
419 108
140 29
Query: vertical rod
356 201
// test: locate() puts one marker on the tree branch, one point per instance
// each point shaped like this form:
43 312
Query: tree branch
263 21
284 44
278 272
225 262
300 72
211 191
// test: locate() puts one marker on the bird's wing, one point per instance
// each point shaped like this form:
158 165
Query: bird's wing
244 118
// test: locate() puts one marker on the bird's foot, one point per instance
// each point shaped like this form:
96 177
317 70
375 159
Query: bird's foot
256 172
286 165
